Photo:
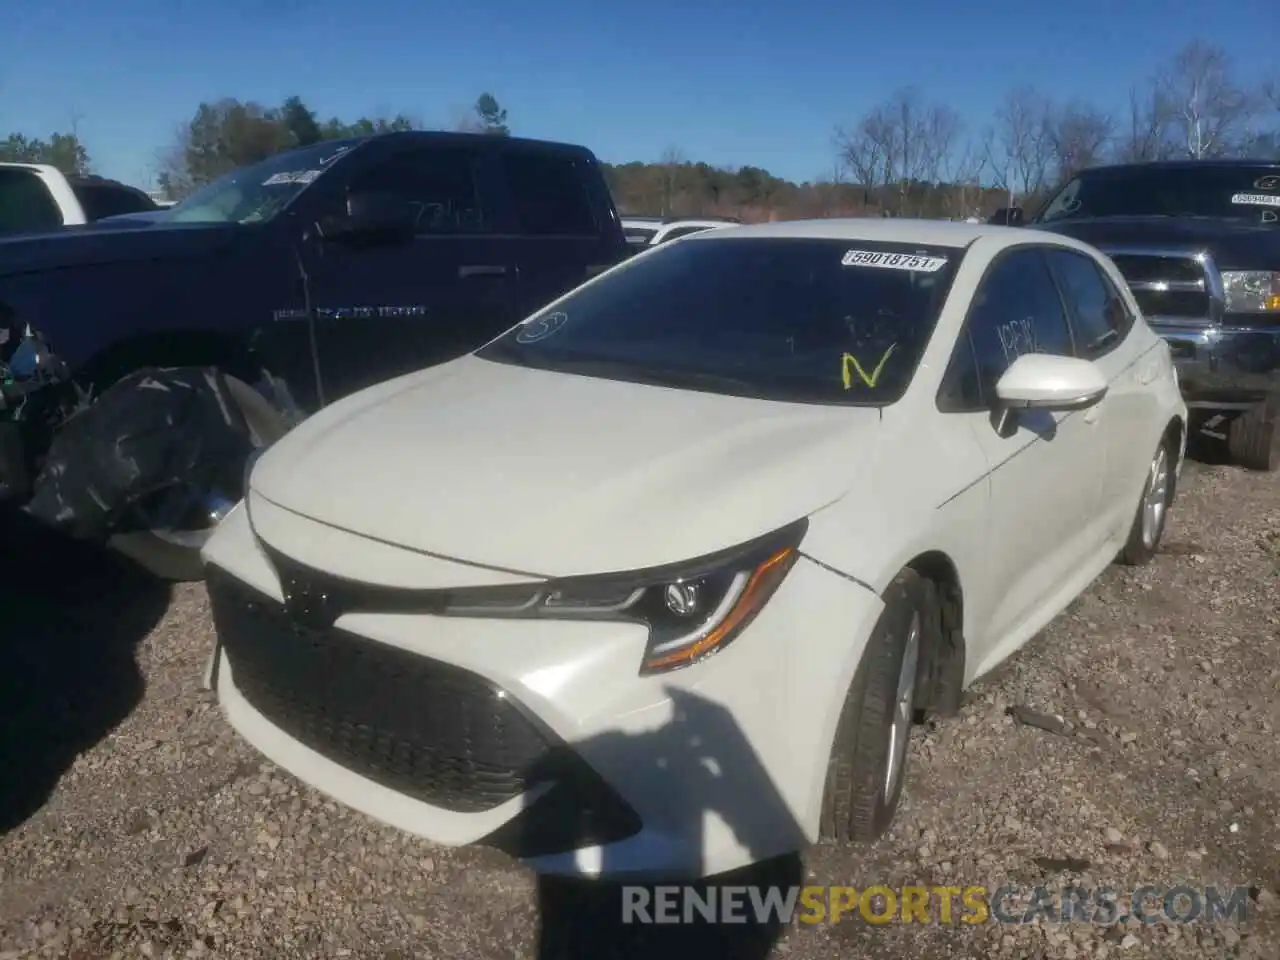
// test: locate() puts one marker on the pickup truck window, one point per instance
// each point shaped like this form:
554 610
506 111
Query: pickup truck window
439 182
25 203
549 194
106 200
1230 191
256 193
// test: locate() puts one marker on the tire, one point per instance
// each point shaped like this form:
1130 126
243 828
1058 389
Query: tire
1254 437
1152 514
156 550
862 792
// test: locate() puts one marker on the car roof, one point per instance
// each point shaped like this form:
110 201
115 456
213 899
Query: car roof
934 233
1225 163
447 137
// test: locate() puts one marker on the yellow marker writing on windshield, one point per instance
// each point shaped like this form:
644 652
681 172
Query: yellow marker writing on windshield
850 363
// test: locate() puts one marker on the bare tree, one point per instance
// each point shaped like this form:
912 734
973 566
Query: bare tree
864 153
1147 132
1208 107
940 131
963 176
1018 148
671 163
1078 135
903 143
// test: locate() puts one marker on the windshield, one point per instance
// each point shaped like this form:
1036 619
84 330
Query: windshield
257 193
1236 192
812 321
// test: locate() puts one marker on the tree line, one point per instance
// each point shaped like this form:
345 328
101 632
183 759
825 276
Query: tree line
909 155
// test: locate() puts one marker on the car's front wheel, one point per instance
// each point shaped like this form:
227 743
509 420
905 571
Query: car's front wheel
867 766
1153 509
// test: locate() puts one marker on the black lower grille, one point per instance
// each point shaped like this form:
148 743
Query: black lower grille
427 729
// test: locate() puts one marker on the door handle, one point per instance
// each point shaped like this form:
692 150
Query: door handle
1093 413
482 270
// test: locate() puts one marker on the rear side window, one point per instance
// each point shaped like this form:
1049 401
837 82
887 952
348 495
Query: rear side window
1099 315
25 203
440 183
549 192
103 200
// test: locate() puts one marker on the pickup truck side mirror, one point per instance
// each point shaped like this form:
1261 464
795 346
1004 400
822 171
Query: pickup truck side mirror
1007 217
372 218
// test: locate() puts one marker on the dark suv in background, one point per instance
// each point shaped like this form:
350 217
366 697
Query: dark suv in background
1199 243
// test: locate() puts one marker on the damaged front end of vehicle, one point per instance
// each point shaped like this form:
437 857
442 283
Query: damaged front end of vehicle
37 395
146 454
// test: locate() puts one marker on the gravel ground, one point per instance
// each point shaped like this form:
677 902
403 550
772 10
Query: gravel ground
134 823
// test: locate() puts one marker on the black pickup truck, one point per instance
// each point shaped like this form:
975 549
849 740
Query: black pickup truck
1199 243
291 283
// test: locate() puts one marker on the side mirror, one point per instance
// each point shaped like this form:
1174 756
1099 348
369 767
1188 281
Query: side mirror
1040 381
372 217
1007 217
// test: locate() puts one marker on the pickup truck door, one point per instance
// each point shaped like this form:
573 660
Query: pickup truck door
390 310
558 240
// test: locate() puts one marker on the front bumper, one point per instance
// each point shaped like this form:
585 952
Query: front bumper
1223 367
540 737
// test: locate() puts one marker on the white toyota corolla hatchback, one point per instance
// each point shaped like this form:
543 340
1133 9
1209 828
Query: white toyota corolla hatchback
655 582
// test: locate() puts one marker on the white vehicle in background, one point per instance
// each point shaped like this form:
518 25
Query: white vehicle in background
656 582
35 197
643 232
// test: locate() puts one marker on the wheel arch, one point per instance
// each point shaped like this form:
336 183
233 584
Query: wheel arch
172 348
940 682
1176 433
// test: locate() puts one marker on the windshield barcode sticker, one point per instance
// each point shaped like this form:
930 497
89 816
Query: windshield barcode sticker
1256 200
291 176
893 261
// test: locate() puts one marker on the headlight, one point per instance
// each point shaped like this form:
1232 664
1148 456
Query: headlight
691 610
1251 291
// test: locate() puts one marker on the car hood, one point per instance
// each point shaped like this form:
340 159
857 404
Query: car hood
108 242
1236 244
553 474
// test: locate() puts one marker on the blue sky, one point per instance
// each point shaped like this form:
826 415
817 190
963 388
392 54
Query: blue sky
751 82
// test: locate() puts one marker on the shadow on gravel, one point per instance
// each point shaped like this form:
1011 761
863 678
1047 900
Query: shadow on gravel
703 758
70 620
